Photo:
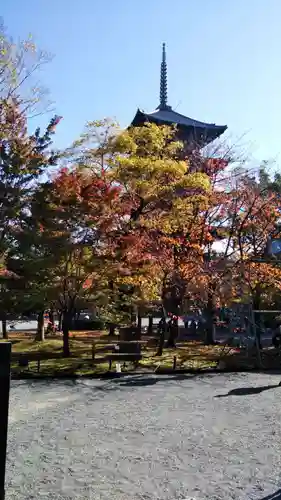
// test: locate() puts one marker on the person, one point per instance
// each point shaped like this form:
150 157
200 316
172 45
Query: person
187 318
193 326
161 323
169 324
51 327
276 338
161 327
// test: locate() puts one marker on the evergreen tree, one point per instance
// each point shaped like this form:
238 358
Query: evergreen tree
23 160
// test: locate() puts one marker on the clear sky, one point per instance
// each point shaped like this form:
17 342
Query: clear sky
224 61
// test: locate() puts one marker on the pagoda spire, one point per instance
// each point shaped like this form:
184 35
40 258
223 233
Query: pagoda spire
163 81
193 133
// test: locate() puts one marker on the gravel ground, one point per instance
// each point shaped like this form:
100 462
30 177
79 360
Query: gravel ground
145 438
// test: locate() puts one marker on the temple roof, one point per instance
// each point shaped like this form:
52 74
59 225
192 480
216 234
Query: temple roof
189 128
169 116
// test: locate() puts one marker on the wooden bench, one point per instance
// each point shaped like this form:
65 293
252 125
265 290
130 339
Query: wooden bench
135 358
114 353
24 359
102 347
23 362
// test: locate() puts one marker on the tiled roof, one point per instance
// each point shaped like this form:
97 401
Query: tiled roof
170 116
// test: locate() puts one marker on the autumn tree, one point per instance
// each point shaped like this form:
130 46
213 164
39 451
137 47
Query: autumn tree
241 223
61 241
158 241
258 222
8 299
23 159
213 237
20 63
159 201
23 156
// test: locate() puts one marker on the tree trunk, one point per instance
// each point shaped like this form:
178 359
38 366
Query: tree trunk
139 322
210 332
111 330
59 321
162 334
51 316
40 334
66 324
4 327
173 334
257 316
150 324
133 317
210 324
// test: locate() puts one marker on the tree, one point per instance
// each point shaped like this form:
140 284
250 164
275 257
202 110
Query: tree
23 159
19 63
158 243
7 297
245 219
215 241
258 223
61 241
157 201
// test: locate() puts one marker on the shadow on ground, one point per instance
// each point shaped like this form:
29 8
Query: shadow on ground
274 496
142 381
246 391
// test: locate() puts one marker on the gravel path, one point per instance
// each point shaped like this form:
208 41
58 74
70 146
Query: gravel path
145 438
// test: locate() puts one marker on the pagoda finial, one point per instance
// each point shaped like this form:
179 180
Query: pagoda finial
163 81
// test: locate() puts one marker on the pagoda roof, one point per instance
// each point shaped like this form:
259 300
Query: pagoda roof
189 129
169 116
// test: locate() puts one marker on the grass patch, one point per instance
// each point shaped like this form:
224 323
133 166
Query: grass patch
63 366
189 355
29 345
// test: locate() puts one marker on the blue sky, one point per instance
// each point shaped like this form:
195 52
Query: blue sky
224 61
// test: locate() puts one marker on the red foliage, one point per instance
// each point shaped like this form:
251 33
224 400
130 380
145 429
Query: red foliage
215 165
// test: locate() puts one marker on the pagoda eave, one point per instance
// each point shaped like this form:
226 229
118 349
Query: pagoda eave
188 130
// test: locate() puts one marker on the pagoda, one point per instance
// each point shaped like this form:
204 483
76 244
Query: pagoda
193 133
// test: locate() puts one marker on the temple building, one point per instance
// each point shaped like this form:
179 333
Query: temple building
193 133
